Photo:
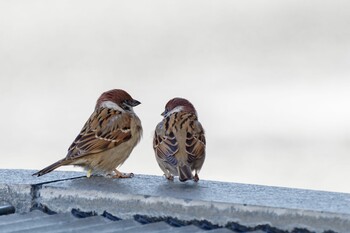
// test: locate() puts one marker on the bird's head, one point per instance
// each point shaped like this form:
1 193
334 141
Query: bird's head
117 99
178 105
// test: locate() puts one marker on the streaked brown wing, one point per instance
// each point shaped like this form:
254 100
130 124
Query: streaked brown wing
165 145
195 143
105 129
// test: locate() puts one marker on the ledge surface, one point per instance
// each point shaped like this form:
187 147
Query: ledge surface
218 202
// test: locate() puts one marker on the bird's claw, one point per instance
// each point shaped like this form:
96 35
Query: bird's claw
196 178
169 177
123 175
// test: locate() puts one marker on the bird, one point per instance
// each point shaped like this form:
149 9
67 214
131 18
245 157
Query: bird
179 141
107 138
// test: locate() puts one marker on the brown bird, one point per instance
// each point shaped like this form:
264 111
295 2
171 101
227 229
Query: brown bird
107 138
179 141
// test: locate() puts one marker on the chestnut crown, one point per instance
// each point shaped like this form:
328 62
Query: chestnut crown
119 97
178 104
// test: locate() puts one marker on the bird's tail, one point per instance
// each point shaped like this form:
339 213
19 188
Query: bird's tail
185 173
50 168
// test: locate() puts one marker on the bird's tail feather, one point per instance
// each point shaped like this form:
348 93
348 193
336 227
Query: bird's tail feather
49 168
185 173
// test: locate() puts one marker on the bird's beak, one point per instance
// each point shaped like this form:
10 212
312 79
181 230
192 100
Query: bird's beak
164 113
133 103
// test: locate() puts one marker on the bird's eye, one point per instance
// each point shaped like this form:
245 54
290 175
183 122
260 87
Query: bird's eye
126 106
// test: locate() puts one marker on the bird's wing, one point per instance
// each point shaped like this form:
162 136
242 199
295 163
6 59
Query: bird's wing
105 129
165 145
195 142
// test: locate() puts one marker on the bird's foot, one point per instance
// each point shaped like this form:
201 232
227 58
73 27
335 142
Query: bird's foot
119 174
169 177
196 178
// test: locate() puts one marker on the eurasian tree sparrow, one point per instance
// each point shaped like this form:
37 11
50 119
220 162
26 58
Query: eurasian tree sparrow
179 141
107 138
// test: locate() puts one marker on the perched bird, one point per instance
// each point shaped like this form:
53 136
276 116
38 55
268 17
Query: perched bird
107 138
179 141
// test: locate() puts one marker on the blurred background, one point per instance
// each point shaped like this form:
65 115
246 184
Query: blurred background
270 81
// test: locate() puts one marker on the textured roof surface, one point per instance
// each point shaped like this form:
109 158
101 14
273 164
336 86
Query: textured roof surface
39 222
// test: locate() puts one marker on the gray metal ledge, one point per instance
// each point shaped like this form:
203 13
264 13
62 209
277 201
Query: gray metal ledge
217 202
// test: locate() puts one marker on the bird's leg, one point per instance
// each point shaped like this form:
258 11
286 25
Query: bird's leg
195 178
88 174
168 175
119 174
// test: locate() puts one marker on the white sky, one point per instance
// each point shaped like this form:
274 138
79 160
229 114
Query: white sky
269 79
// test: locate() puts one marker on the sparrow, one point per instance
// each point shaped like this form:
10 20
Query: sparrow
107 138
179 141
